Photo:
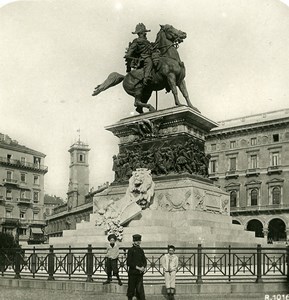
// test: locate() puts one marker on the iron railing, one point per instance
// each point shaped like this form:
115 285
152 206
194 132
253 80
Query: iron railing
22 164
196 264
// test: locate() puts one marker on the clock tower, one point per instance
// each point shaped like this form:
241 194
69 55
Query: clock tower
78 185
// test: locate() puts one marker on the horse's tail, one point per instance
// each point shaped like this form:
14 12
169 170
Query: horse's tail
112 80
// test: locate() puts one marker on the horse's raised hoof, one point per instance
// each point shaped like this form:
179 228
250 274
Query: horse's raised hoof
139 109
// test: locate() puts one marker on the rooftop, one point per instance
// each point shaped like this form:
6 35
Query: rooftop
7 143
253 119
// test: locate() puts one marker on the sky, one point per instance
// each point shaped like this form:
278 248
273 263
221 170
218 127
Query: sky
53 54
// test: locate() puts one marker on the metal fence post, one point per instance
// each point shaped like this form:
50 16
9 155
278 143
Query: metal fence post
51 263
259 264
89 264
199 267
17 263
230 263
287 261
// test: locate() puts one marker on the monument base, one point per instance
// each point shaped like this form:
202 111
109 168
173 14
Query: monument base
185 211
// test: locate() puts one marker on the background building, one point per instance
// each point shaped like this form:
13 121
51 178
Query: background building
22 173
80 197
50 203
250 160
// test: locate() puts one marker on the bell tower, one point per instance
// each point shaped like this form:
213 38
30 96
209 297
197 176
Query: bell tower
78 185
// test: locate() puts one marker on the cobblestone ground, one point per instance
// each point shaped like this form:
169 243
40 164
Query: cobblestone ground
41 294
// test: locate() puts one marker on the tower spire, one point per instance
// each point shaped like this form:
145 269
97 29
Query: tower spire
78 130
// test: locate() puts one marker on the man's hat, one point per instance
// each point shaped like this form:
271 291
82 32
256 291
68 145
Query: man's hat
136 237
140 27
112 236
171 247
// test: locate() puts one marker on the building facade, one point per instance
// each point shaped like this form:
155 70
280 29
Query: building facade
22 173
50 203
79 197
250 160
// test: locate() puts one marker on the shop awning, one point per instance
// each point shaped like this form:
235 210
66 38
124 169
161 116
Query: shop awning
36 230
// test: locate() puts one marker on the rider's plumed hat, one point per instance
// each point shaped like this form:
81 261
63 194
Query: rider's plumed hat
140 27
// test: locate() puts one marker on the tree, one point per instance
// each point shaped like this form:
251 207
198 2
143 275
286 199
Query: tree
8 249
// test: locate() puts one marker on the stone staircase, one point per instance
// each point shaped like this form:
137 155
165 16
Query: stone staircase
159 228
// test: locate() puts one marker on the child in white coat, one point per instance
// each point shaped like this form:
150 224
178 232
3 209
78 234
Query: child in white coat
170 264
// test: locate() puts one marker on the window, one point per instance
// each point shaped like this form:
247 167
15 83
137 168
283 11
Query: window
275 138
9 156
36 179
276 195
213 169
23 177
35 216
22 195
22 231
22 215
35 197
213 147
8 195
253 162
253 141
9 175
36 161
233 163
254 197
81 157
233 198
233 144
23 160
8 214
275 159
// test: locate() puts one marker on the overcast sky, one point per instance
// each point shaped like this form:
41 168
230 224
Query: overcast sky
53 54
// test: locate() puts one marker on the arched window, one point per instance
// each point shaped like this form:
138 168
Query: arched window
233 198
254 197
276 195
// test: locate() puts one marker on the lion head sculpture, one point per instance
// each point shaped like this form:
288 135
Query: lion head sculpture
141 187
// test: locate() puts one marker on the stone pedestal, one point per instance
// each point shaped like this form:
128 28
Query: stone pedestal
178 204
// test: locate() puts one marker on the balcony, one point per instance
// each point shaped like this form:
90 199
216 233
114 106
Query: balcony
10 181
253 172
259 209
24 200
213 176
232 174
274 170
9 221
27 222
23 165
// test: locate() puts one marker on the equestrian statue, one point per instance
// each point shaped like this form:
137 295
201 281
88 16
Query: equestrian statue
151 67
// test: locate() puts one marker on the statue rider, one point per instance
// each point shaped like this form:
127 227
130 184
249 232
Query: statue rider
140 49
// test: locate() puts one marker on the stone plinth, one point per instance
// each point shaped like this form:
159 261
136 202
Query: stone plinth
176 202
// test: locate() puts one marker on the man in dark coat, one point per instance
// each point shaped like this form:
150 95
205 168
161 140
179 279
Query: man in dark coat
136 262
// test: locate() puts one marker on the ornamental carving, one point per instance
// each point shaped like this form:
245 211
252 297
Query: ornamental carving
112 214
170 157
173 201
200 199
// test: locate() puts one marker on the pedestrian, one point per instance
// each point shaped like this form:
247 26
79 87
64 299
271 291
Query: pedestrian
136 262
170 264
111 259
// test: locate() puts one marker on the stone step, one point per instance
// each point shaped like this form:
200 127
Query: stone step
84 232
148 215
149 229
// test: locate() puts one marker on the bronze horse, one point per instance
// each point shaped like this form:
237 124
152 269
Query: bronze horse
169 73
